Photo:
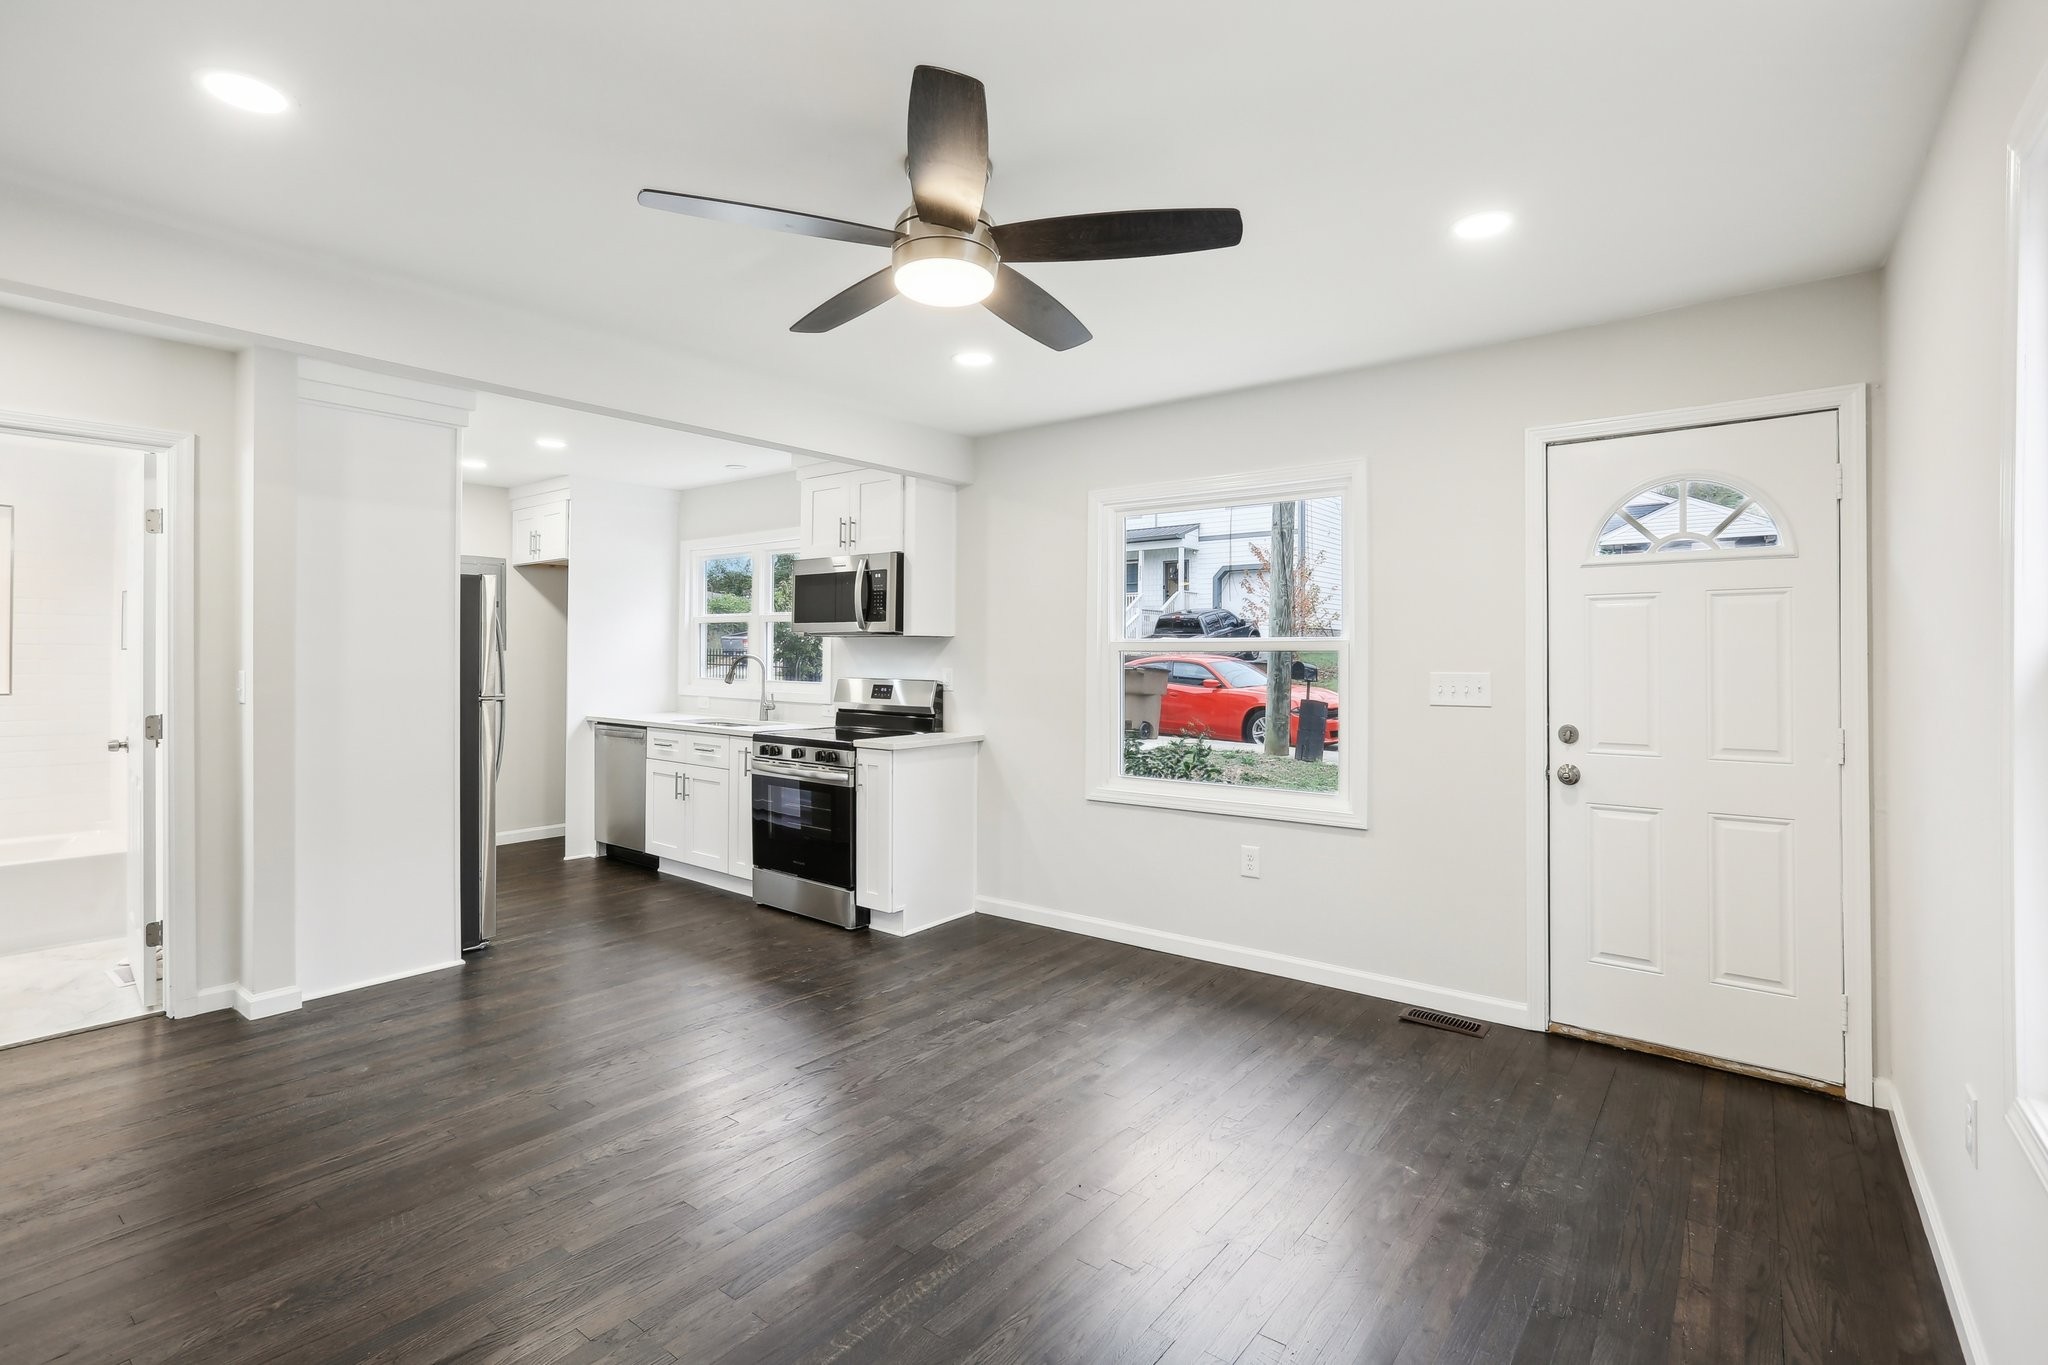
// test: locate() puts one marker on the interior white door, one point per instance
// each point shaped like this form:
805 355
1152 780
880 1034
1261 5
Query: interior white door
136 756
1695 799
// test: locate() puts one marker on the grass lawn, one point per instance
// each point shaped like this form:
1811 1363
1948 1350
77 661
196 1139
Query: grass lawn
1261 770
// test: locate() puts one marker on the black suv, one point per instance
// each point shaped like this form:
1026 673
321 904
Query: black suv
1227 624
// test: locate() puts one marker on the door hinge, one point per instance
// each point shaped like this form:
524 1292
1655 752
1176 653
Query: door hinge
153 728
153 934
1840 483
1841 747
1845 1014
153 521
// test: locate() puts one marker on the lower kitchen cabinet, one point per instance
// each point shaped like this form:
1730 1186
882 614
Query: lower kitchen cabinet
914 835
689 814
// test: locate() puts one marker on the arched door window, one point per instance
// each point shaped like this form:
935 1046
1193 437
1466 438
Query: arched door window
1690 516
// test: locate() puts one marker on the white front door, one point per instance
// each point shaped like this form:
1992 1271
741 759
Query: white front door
1695 815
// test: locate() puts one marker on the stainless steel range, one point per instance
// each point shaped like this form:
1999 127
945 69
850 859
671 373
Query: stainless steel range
806 795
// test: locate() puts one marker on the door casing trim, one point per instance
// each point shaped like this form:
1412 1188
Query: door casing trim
176 450
1850 403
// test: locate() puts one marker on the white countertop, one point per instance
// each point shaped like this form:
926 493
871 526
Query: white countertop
679 720
931 741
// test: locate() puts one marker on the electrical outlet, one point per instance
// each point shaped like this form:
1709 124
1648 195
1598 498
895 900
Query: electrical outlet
1248 860
1461 689
1970 1125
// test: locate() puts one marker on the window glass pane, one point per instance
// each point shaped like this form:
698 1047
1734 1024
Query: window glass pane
728 585
798 657
722 642
1689 517
1203 717
784 590
1235 571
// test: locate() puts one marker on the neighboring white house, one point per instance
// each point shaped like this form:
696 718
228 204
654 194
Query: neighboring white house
1196 559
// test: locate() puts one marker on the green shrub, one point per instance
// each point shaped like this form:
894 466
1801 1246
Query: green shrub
1178 760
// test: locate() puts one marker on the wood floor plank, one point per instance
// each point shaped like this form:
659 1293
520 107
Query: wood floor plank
655 1123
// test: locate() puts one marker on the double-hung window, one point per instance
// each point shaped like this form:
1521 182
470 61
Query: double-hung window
1225 669
737 601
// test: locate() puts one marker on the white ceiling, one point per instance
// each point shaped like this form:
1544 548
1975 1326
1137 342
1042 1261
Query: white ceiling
502 433
1656 154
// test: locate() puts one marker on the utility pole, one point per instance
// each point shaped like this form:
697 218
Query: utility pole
1280 623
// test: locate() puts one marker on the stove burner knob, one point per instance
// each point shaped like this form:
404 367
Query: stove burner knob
771 751
827 756
796 753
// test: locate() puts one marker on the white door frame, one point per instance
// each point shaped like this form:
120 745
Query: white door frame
174 625
1850 404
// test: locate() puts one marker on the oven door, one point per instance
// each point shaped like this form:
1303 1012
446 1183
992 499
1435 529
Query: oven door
803 823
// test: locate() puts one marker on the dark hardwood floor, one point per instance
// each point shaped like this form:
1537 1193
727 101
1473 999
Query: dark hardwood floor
656 1124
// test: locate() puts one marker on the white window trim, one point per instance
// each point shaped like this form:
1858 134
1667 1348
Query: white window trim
2025 535
763 545
1107 509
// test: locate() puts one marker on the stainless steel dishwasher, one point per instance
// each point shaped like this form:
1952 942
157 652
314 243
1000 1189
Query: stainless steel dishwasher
621 788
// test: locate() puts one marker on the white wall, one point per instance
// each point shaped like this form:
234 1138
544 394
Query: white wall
623 584
1428 903
377 799
1940 632
64 369
536 666
70 675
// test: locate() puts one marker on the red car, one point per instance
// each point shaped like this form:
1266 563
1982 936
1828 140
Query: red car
1225 698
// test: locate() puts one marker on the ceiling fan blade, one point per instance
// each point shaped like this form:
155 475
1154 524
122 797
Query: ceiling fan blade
759 215
948 147
1034 312
1120 236
849 303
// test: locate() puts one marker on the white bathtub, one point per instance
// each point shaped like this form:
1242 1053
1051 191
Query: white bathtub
62 888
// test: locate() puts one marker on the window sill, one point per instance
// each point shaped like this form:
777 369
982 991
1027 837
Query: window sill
2029 1121
1330 814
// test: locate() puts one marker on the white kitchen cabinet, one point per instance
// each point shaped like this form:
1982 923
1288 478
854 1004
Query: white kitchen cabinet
667 825
707 818
851 512
845 511
914 835
689 816
540 523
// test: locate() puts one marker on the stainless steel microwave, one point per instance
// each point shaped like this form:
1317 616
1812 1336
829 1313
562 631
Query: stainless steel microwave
850 595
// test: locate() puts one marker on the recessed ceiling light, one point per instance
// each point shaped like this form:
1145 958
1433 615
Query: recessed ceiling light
551 443
244 92
973 360
1475 227
474 464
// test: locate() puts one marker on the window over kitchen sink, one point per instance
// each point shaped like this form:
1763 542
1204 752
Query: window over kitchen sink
737 598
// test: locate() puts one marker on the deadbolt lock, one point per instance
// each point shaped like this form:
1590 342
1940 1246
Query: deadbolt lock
1568 734
1568 774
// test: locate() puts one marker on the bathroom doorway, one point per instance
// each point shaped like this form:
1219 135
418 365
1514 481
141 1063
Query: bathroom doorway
83 573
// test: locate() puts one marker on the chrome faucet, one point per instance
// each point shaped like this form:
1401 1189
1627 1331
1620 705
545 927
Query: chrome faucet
732 671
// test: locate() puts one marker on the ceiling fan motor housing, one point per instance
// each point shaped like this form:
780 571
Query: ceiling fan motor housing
922 241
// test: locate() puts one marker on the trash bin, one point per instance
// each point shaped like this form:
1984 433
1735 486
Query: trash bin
1144 691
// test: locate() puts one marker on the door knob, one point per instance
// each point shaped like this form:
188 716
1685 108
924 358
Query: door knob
115 746
1568 774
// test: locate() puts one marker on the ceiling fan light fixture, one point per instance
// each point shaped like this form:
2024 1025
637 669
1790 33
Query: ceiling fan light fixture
942 268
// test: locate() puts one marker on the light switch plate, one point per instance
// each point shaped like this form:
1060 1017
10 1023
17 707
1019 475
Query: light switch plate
1461 689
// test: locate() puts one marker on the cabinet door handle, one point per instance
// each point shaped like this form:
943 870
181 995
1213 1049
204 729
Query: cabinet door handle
853 530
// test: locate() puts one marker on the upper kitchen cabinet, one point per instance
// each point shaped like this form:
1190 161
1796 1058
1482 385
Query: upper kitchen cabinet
849 512
540 523
852 512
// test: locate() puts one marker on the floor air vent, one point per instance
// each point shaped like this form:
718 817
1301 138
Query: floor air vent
1449 1023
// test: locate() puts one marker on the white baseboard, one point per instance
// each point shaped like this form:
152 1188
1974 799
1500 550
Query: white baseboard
326 991
1887 1097
263 1004
208 1001
527 836
891 922
1492 1008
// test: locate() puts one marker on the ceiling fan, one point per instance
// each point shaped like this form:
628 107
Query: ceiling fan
945 250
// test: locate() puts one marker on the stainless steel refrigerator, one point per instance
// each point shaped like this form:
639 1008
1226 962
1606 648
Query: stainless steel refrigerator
482 717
